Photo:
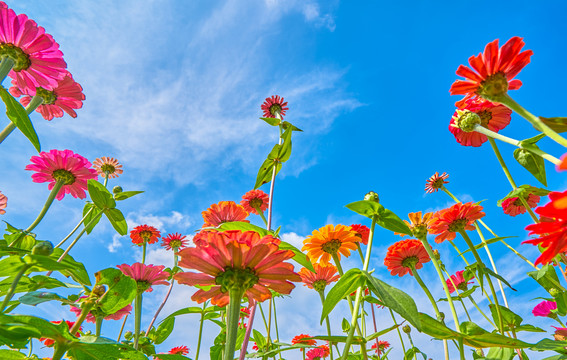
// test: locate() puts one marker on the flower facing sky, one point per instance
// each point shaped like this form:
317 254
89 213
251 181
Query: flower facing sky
174 242
144 234
64 165
330 240
224 211
238 261
255 199
3 203
318 280
273 105
145 275
104 165
544 309
404 255
459 280
459 217
362 231
513 206
435 182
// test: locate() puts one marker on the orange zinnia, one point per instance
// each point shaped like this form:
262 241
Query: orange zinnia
224 211
405 255
254 200
299 339
459 217
328 241
318 280
418 224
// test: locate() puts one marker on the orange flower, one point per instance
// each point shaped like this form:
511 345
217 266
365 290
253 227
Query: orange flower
299 340
144 234
435 182
108 165
363 232
405 255
419 225
224 211
328 241
318 280
255 199
459 217
562 166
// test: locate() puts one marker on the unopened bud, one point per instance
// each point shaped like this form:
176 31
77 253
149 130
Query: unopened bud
117 189
128 335
436 254
554 292
43 248
99 290
372 196
406 329
479 352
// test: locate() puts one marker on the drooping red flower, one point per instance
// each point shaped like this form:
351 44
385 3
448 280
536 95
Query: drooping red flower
255 199
363 232
73 169
273 105
181 350
3 203
108 165
70 324
404 255
513 206
544 308
493 71
224 211
144 234
237 260
381 346
494 117
174 242
145 275
459 280
552 230
459 217
299 339
435 182
318 280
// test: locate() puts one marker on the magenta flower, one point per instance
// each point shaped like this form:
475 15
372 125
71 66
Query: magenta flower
38 62
73 169
66 96
3 203
544 309
116 316
459 280
145 275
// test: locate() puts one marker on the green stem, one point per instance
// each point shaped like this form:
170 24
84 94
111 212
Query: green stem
13 287
482 312
201 322
398 330
122 328
559 321
98 325
86 308
34 103
272 183
233 315
412 345
144 246
75 229
276 326
322 296
457 291
263 316
137 319
269 325
106 178
58 185
58 351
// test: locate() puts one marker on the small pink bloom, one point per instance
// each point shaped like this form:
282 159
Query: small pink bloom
145 275
544 308
174 242
3 203
273 105
459 280
513 206
116 316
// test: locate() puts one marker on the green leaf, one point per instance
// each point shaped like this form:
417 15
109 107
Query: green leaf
381 332
284 152
100 195
18 116
117 220
37 297
45 263
366 208
259 339
498 353
11 265
18 328
90 213
557 124
511 320
412 352
215 352
271 121
285 125
74 269
121 290
524 191
549 345
498 276
547 278
11 355
349 282
97 348
164 330
532 162
340 339
345 325
126 195
384 217
243 226
265 173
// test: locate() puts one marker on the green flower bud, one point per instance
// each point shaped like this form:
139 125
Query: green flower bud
43 248
117 189
406 329
128 335
554 292
372 196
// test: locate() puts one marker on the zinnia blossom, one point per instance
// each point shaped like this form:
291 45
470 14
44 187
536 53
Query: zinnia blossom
202 238
418 224
145 275
70 324
514 206
108 165
238 261
63 165
494 117
255 199
405 255
181 350
92 318
552 230
300 339
318 280
493 71
434 183
224 211
320 352
362 231
545 308
381 346
328 241
144 234
174 242
459 280
459 217
3 203
560 333
273 105
562 166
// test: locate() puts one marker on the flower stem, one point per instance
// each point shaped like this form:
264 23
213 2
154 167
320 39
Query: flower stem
271 196
46 206
161 306
98 325
34 103
233 315
58 351
122 328
269 325
137 319
248 332
201 322
398 330
322 296
144 247
374 322
74 229
276 325
13 287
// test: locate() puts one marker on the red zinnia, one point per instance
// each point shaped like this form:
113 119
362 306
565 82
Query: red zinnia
273 105
381 346
144 234
362 232
299 339
436 182
318 280
224 211
405 255
255 199
448 222
174 241
70 324
514 206
318 353
182 350
459 280
145 275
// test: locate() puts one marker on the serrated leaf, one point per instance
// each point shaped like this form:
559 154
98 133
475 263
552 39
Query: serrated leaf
18 116
532 162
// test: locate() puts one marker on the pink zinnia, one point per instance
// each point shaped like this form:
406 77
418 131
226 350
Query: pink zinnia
73 169
513 206
145 275
3 203
459 280
544 309
38 62
255 199
116 316
273 105
174 241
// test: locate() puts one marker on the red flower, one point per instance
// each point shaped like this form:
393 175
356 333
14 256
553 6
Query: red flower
299 339
320 352
181 350
552 229
513 206
254 199
362 232
434 183
545 308
174 242
224 211
459 280
405 255
493 71
145 275
562 166
273 105
448 222
382 345
318 280
70 324
144 234
255 347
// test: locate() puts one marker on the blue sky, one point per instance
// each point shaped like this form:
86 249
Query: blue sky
174 91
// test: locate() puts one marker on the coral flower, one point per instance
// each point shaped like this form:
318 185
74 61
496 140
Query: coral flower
224 211
70 324
318 280
459 217
320 352
328 241
255 199
405 255
116 316
300 339
273 105
202 238
545 308
181 350
552 229
459 280
66 96
363 232
493 71
436 182
513 206
3 203
73 169
108 165
38 62
562 166
174 241
145 275
418 224
144 234
381 346
237 261
494 117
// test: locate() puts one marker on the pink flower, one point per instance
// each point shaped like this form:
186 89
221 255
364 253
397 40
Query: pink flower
513 206
145 275
3 203
459 280
274 105
38 62
73 169
544 308
174 241
92 318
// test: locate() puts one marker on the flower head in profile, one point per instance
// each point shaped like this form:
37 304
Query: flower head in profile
459 217
237 261
145 275
560 334
303 339
494 117
545 309
328 241
92 318
552 230
65 166
418 224
174 242
274 105
318 280
3 203
459 281
144 234
70 324
493 71
254 200
181 350
381 346
363 232
318 353
224 211
106 165
404 256
514 206
434 183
